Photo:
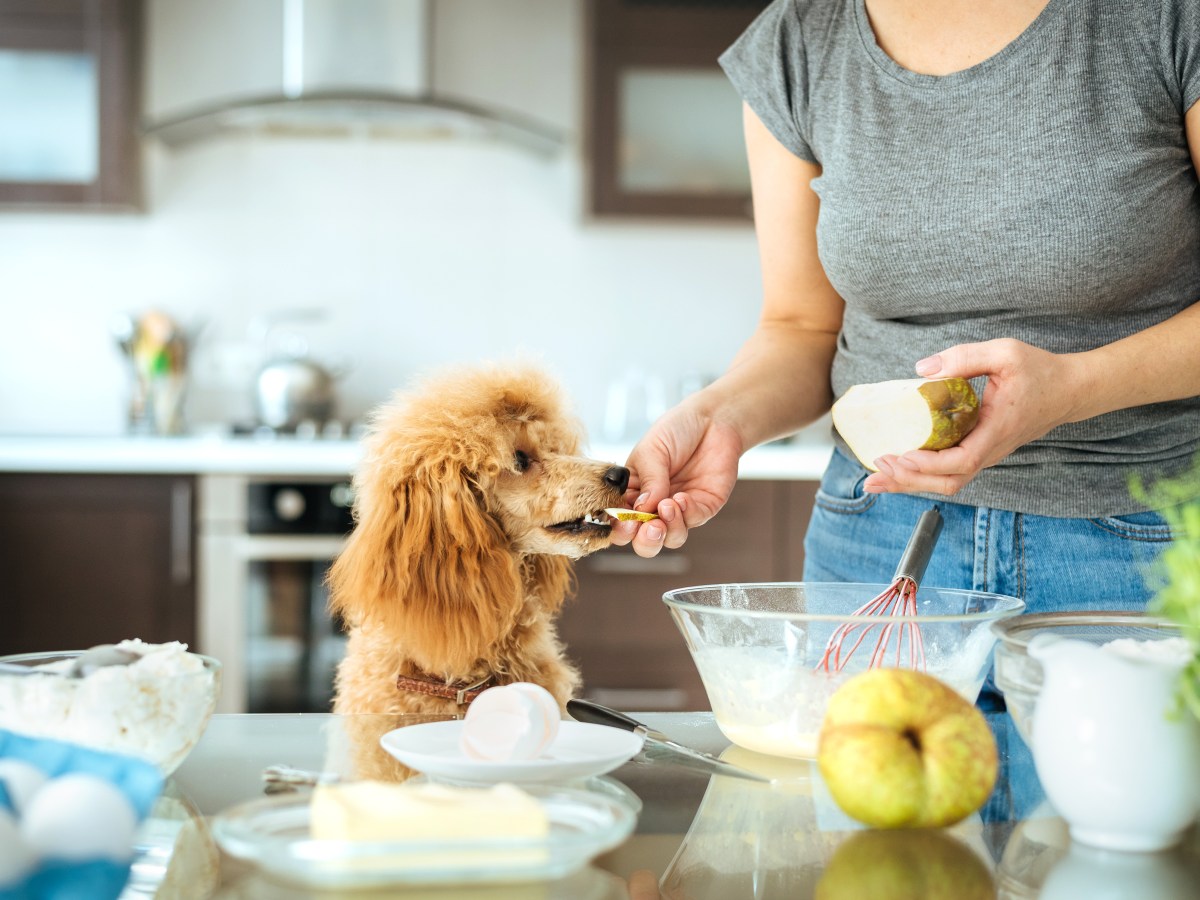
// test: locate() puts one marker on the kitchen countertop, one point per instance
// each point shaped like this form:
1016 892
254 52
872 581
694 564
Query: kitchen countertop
222 454
699 836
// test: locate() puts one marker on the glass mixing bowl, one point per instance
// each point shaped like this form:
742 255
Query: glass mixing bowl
1019 675
151 709
758 649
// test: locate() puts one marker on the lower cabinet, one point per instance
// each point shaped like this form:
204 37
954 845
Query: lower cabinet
94 559
91 559
620 633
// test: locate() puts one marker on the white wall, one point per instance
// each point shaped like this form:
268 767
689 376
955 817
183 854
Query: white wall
422 253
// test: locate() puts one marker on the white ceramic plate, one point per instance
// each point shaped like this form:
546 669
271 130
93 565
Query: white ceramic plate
580 750
273 834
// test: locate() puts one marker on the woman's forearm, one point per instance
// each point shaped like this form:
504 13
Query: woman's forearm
1155 365
780 379
777 383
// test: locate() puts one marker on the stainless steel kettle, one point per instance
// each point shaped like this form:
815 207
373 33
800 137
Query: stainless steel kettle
293 390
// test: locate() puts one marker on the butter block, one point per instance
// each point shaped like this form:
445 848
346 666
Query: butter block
377 811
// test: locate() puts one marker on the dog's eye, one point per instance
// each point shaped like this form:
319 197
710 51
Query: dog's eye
522 461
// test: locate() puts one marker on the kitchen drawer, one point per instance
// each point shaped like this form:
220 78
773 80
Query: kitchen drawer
797 506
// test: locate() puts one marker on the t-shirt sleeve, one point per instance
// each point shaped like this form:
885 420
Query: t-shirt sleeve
1181 41
766 65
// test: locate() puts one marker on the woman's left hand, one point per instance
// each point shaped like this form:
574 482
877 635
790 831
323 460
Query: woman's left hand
1029 391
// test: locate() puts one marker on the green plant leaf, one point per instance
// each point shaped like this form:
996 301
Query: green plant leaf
1175 579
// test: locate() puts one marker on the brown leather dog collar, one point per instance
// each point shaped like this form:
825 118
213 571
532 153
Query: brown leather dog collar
460 692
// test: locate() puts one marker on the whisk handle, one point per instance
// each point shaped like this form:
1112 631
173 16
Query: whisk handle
920 547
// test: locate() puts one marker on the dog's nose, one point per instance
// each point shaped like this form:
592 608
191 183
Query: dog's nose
618 477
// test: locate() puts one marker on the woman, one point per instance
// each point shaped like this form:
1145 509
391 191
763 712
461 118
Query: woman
1003 190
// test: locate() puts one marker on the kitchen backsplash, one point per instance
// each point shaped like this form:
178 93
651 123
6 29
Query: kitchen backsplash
421 254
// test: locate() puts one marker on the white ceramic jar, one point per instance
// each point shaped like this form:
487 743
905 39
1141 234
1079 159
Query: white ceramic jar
1116 762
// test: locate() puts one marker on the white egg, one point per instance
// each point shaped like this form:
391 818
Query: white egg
21 780
17 858
80 817
511 722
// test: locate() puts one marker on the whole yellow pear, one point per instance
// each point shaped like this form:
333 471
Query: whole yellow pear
901 749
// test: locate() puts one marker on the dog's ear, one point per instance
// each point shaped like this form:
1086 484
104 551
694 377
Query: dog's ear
430 569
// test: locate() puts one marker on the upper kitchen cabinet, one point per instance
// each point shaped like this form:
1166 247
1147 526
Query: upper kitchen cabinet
664 124
370 68
68 104
517 57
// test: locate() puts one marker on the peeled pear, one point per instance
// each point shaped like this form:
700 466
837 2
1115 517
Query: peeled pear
630 515
893 417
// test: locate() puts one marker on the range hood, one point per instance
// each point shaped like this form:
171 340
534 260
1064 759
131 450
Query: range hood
380 68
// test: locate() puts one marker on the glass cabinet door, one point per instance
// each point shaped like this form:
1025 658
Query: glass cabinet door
49 104
680 132
68 103
664 123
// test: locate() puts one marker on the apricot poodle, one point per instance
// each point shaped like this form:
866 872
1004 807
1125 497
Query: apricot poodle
471 502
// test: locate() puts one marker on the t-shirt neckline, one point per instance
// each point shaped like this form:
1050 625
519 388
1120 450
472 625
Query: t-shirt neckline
919 79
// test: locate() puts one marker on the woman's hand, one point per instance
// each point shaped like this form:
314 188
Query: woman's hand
1029 392
684 469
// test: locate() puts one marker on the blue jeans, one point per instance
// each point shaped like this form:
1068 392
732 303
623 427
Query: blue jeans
1052 564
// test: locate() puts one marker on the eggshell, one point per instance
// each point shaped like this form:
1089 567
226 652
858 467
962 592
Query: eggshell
551 714
21 781
510 722
79 817
499 726
17 858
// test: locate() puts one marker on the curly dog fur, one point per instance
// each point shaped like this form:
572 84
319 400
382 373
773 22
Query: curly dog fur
471 502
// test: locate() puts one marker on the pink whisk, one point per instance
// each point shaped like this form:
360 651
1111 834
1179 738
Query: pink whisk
898 601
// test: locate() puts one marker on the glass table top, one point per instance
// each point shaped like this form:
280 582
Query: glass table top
698 836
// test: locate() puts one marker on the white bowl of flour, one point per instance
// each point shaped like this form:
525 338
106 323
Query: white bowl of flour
155 708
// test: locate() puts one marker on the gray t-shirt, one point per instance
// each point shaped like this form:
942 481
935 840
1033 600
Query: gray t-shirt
1045 194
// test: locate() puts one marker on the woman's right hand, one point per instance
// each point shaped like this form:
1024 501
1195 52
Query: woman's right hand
684 469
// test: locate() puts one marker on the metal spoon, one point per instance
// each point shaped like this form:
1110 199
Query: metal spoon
83 665
279 779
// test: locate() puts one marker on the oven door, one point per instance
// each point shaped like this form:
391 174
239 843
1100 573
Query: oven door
263 604
292 645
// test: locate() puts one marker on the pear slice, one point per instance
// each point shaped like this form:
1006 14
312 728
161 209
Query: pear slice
893 417
630 515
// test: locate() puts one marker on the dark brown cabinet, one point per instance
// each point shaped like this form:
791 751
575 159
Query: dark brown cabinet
664 125
69 100
618 630
91 559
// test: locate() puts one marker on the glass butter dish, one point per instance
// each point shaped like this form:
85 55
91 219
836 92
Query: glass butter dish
273 833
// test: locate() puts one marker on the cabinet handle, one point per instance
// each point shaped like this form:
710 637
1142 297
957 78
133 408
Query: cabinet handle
181 532
632 564
665 699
